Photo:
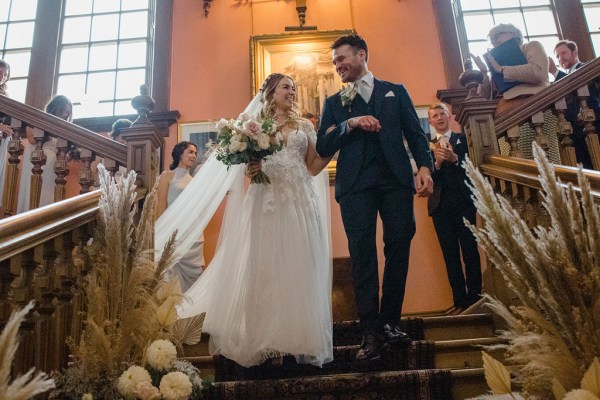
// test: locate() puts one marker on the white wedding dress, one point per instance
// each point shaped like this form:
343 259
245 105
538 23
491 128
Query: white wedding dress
267 291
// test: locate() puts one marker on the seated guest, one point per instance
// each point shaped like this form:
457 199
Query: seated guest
568 57
115 133
171 184
61 107
531 77
451 203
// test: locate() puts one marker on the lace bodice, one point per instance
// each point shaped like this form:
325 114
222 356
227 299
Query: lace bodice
287 168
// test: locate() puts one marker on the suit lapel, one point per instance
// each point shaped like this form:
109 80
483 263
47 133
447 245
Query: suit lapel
377 97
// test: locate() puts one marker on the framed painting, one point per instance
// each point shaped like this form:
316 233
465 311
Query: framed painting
306 57
200 133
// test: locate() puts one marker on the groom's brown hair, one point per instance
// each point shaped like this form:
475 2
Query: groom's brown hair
355 41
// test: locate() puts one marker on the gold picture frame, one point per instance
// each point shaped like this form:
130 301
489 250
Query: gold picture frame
306 57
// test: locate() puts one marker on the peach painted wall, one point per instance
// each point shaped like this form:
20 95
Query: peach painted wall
211 79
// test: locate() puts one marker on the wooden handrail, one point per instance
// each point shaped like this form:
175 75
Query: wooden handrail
524 166
101 145
548 96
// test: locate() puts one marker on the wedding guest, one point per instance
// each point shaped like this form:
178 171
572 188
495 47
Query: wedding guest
61 107
531 77
170 186
115 133
451 203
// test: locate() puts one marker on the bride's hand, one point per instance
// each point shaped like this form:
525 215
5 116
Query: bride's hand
253 168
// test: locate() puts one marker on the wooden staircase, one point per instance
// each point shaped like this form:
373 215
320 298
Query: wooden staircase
445 363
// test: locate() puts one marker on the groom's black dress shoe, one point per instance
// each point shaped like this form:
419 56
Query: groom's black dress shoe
371 346
393 334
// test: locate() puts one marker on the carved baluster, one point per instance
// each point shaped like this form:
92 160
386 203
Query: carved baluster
25 292
530 198
512 136
38 158
111 166
45 333
7 276
61 168
64 311
565 130
587 118
85 175
537 122
15 149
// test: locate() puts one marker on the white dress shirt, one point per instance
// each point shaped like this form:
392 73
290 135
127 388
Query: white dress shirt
364 86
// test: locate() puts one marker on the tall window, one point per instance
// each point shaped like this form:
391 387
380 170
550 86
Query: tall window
104 54
591 9
535 18
17 21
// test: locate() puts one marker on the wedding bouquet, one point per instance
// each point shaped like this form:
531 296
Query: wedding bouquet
244 140
163 378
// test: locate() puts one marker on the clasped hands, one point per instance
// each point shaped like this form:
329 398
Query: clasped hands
443 152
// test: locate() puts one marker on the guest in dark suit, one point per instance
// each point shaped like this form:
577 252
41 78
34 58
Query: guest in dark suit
370 120
568 57
449 203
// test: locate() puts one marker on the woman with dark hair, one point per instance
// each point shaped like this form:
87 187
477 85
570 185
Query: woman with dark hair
267 291
60 106
115 133
5 130
170 186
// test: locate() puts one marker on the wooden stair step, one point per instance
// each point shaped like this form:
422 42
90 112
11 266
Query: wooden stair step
465 353
456 327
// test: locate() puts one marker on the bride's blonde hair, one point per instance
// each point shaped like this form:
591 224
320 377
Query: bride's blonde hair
269 107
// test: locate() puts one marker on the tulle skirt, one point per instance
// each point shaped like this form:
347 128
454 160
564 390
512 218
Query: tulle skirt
267 292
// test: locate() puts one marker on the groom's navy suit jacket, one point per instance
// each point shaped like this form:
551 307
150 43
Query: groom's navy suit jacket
392 106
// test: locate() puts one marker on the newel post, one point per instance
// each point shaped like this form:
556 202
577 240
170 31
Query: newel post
143 142
476 116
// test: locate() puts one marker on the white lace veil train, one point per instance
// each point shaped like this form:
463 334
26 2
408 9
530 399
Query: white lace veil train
193 209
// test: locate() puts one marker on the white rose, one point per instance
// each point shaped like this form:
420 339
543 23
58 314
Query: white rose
161 354
263 141
222 123
243 117
131 378
234 146
243 146
175 386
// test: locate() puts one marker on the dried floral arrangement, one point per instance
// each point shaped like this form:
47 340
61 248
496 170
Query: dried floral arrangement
128 304
554 336
26 386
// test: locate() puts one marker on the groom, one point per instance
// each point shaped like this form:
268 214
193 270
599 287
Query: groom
369 120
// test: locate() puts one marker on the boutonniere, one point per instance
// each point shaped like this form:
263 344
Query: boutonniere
347 94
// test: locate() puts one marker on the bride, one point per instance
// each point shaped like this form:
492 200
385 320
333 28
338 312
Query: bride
267 291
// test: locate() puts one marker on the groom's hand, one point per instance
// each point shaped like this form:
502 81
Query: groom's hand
367 123
424 182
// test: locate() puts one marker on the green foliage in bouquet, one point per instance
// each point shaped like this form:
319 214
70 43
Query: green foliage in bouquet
554 336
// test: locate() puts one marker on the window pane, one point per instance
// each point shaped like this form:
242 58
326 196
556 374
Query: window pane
101 85
19 35
548 42
127 5
2 33
22 9
105 27
4 7
129 82
73 59
17 89
76 30
19 63
538 22
101 6
510 17
505 3
103 56
477 26
134 25
77 7
72 86
596 44
478 48
132 55
467 5
123 108
592 16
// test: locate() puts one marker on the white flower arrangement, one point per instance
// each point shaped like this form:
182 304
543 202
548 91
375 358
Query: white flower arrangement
164 378
245 140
